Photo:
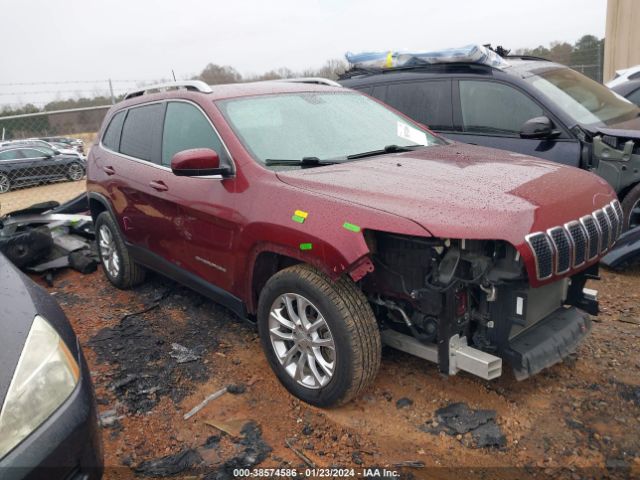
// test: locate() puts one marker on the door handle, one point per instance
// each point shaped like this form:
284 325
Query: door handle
109 170
158 185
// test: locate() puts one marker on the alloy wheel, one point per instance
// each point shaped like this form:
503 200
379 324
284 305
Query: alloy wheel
108 252
76 172
302 340
5 184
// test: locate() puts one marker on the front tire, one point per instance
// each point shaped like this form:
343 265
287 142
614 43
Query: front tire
117 263
631 208
320 337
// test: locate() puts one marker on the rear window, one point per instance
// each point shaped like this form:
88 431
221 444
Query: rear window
142 133
111 138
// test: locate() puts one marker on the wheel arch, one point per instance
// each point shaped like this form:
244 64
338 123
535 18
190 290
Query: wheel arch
268 259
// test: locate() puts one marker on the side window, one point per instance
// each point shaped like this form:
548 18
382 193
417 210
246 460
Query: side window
142 132
111 138
635 97
31 153
494 108
427 102
186 127
10 155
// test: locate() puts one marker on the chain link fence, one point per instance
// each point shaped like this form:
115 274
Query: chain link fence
43 155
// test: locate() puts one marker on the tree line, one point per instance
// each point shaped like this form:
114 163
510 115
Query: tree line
586 55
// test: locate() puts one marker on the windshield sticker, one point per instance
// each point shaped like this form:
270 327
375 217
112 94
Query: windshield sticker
412 134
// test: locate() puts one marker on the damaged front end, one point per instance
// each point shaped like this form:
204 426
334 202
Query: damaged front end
616 158
469 304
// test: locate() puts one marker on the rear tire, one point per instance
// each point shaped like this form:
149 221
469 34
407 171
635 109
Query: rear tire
5 183
327 365
117 263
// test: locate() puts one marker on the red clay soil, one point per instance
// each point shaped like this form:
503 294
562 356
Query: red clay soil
577 419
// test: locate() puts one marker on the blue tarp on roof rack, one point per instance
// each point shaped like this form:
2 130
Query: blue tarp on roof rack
391 59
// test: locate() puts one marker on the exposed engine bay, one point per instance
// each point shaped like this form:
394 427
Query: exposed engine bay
468 305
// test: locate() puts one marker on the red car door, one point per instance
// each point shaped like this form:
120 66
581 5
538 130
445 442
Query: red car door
205 213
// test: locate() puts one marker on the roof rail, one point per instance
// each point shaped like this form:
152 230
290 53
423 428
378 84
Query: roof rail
191 85
316 80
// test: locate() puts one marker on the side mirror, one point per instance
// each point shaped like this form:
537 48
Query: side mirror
197 162
538 127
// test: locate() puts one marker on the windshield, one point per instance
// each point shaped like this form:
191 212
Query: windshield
586 101
324 126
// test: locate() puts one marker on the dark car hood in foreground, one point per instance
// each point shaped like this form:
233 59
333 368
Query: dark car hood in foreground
463 191
20 301
17 311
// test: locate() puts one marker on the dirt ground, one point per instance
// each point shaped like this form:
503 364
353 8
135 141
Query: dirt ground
578 419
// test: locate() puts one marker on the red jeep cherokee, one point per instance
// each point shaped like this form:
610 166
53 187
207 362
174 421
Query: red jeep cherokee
338 224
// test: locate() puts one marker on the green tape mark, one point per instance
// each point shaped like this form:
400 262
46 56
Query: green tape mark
297 218
306 246
351 227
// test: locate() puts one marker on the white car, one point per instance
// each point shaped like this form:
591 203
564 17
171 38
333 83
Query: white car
624 75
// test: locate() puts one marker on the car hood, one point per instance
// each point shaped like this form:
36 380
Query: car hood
463 191
17 311
20 301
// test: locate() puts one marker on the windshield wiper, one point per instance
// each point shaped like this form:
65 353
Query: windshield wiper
387 149
304 162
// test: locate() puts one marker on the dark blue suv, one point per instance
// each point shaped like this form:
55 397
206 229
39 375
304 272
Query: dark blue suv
533 106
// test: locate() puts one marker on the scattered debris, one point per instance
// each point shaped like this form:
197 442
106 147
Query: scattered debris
204 403
212 442
457 419
404 402
254 451
232 427
42 237
236 388
299 454
109 418
170 465
183 354
84 261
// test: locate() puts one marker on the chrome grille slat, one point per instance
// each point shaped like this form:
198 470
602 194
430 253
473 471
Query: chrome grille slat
605 229
543 253
580 242
562 248
613 221
593 234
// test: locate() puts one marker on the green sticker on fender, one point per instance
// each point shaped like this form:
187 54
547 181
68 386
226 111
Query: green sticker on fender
306 246
351 227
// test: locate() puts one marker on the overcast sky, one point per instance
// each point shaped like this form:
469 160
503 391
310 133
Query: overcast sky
55 41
